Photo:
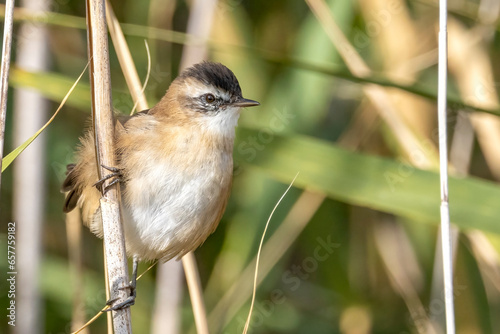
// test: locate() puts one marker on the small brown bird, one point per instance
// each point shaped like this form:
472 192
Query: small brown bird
174 165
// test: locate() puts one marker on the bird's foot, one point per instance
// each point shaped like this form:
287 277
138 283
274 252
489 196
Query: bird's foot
130 300
127 302
116 173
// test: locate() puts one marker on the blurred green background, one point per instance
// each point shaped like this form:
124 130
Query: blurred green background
356 246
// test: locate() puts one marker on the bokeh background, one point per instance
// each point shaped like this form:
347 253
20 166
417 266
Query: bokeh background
353 246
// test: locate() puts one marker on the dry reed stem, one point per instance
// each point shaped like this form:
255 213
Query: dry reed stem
103 122
74 237
109 316
446 230
196 293
166 317
460 155
4 74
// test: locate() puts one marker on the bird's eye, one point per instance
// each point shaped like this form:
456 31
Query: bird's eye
210 98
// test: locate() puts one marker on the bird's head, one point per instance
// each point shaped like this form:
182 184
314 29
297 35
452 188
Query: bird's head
207 93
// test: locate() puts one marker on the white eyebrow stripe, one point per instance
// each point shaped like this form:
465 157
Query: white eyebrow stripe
195 88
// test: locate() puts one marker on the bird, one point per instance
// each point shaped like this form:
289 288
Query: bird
174 166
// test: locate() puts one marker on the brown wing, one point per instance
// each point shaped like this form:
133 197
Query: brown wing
81 177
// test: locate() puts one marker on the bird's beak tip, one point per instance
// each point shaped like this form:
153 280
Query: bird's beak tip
243 103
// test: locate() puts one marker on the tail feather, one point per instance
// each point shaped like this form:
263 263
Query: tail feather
71 201
69 186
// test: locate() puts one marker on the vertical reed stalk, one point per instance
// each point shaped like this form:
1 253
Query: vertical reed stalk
196 293
30 114
114 241
443 166
4 74
74 237
166 314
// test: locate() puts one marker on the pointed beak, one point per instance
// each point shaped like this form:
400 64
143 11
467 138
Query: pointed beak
242 103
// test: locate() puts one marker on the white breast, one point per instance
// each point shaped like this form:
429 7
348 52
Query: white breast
176 202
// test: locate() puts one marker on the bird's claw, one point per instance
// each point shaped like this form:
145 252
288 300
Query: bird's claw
116 173
132 285
129 301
